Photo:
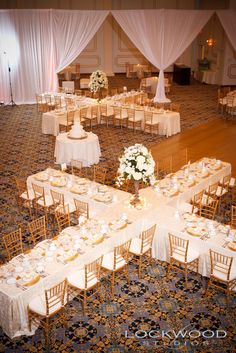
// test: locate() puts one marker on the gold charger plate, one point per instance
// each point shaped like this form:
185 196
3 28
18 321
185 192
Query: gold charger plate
232 246
190 231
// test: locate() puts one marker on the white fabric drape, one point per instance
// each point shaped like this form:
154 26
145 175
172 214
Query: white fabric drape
72 31
228 21
161 35
38 44
26 38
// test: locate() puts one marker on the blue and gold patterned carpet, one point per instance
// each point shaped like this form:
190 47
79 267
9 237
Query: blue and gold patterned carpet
148 304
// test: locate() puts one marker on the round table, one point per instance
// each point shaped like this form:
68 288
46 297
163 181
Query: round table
86 150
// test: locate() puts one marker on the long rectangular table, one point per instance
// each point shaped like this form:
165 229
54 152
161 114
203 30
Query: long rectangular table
158 208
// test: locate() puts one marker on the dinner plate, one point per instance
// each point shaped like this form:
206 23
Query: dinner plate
19 269
195 231
41 176
11 280
59 183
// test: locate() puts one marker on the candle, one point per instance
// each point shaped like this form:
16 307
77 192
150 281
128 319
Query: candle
203 52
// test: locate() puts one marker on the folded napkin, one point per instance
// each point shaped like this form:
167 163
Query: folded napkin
73 257
32 281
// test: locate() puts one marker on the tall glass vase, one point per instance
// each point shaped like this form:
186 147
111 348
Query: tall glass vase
135 199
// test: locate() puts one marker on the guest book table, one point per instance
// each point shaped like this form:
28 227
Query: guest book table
86 150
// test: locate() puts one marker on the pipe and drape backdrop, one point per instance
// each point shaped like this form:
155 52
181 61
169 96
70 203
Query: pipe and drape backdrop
36 44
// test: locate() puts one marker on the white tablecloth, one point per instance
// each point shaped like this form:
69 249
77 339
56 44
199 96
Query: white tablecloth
158 209
86 150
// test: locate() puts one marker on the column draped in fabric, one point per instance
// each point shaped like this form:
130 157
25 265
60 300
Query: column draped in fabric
162 35
38 44
72 31
228 21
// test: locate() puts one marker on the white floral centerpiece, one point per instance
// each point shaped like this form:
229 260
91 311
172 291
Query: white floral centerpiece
98 80
136 164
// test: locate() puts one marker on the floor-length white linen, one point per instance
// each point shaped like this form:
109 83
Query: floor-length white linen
72 31
228 21
162 35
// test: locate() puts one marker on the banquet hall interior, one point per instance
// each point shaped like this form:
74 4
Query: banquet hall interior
118 176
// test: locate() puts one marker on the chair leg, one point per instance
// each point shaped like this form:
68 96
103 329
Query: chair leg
85 302
186 276
140 267
112 284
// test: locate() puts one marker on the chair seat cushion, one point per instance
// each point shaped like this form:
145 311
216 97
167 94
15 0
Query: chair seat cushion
25 196
108 262
38 305
135 247
192 255
77 279
232 182
222 276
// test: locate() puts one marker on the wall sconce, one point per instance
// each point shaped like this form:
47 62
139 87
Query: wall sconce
210 42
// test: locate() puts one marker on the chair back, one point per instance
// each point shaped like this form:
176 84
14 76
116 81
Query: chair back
208 210
225 181
103 109
55 298
131 114
117 111
39 193
221 263
37 230
76 167
21 186
233 217
94 110
99 174
92 271
13 243
147 238
82 208
121 253
178 246
148 117
57 198
83 112
62 215
58 101
212 189
164 166
197 200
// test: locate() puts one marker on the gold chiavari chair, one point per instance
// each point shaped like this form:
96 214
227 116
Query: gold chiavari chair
76 167
58 102
120 118
81 208
83 114
208 210
67 121
50 102
59 200
233 217
164 167
62 216
25 196
150 125
42 200
41 104
13 243
49 310
70 105
85 283
221 101
231 104
196 202
142 246
116 262
37 230
182 257
210 194
133 121
92 117
104 116
222 272
99 174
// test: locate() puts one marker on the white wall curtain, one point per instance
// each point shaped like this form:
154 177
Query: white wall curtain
72 31
26 38
162 35
228 21
38 44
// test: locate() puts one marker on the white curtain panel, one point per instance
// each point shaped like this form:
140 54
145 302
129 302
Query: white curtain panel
162 35
26 38
72 31
228 21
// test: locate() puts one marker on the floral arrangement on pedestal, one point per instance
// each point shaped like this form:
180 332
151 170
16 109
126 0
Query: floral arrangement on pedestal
136 164
98 81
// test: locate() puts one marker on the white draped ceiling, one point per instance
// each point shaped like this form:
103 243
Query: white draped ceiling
162 35
228 21
36 44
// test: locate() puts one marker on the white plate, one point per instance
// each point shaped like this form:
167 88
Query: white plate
19 269
11 280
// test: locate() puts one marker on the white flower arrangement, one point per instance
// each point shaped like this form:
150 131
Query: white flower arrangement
98 80
136 164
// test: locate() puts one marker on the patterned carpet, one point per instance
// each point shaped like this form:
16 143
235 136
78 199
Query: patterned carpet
148 304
